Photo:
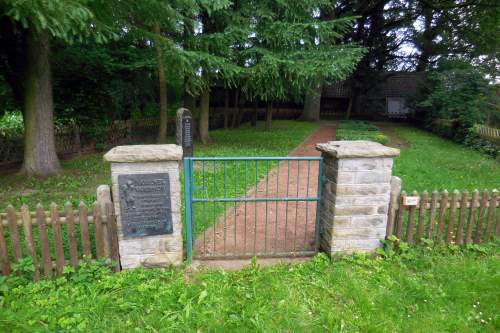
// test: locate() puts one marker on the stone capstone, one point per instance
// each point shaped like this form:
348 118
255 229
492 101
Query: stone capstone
144 153
357 148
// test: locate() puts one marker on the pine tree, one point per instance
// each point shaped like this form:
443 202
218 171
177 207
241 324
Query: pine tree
290 50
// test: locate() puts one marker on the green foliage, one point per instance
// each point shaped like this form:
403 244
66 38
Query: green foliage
484 145
443 290
68 20
359 130
288 48
455 92
11 124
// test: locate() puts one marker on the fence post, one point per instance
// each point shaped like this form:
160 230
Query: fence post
355 196
147 201
103 199
393 204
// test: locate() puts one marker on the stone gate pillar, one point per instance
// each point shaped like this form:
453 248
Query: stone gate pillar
355 195
147 200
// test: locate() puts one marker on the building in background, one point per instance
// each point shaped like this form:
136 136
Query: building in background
387 98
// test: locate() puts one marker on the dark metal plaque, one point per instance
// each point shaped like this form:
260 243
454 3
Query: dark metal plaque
145 204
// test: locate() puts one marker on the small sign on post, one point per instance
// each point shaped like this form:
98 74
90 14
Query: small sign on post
184 131
410 201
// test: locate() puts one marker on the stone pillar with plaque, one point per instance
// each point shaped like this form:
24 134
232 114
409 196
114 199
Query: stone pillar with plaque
184 131
147 199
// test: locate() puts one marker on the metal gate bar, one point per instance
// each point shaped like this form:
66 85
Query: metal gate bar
219 181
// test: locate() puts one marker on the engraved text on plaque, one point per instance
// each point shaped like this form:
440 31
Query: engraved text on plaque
145 205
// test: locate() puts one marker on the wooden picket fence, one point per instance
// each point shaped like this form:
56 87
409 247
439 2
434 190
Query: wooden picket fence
54 243
459 218
487 132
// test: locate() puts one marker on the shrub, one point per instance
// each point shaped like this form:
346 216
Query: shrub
486 146
453 99
359 130
11 124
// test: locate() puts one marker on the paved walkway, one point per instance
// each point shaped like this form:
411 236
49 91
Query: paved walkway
273 227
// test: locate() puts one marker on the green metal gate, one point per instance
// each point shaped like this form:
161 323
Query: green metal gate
240 207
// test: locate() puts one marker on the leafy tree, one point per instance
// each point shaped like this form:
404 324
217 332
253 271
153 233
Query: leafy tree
458 93
457 30
27 28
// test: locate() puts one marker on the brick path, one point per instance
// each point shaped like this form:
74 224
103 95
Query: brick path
269 228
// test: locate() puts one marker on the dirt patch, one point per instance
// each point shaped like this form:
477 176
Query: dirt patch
395 140
272 227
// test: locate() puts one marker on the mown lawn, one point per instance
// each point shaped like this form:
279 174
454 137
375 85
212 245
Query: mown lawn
422 291
429 162
82 175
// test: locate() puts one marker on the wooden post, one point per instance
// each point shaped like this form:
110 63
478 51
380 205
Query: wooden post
28 235
482 212
424 199
399 219
14 234
461 223
84 229
491 212
70 227
452 216
393 205
411 221
113 235
56 228
472 212
432 215
442 215
103 198
99 241
6 270
44 241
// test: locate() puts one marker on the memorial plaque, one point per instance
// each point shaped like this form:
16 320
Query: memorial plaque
145 204
185 131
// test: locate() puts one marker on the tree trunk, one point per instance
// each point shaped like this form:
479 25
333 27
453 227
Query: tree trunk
236 108
226 109
204 117
40 158
312 104
254 114
240 112
349 109
269 115
162 133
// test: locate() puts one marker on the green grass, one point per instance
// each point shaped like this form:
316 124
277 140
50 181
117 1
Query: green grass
82 175
432 163
427 161
439 291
